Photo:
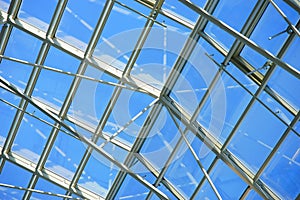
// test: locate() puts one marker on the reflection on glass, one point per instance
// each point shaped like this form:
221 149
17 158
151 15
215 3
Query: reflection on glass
282 174
37 13
256 136
161 140
206 192
20 178
98 175
21 46
65 155
285 84
91 97
7 113
46 186
34 129
52 87
132 189
77 24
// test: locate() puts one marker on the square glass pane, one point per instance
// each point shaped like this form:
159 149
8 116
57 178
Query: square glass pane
36 130
52 87
47 186
256 136
129 105
122 23
37 13
98 174
91 97
20 177
21 46
77 24
194 80
286 85
7 113
283 172
65 155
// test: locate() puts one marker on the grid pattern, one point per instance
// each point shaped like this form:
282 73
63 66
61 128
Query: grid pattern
149 99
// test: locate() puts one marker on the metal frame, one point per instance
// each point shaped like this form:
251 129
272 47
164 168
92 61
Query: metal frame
161 98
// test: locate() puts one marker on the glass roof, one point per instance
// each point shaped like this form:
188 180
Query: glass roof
149 99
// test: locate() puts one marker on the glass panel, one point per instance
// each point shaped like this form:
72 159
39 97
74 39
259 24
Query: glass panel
112 48
206 192
140 169
98 174
281 112
7 113
286 84
21 46
224 39
91 98
128 105
282 173
132 189
160 51
256 136
4 4
265 29
54 94
19 177
47 186
228 12
65 155
229 184
290 56
114 150
253 196
166 191
36 130
161 140
184 172
37 13
194 80
77 24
